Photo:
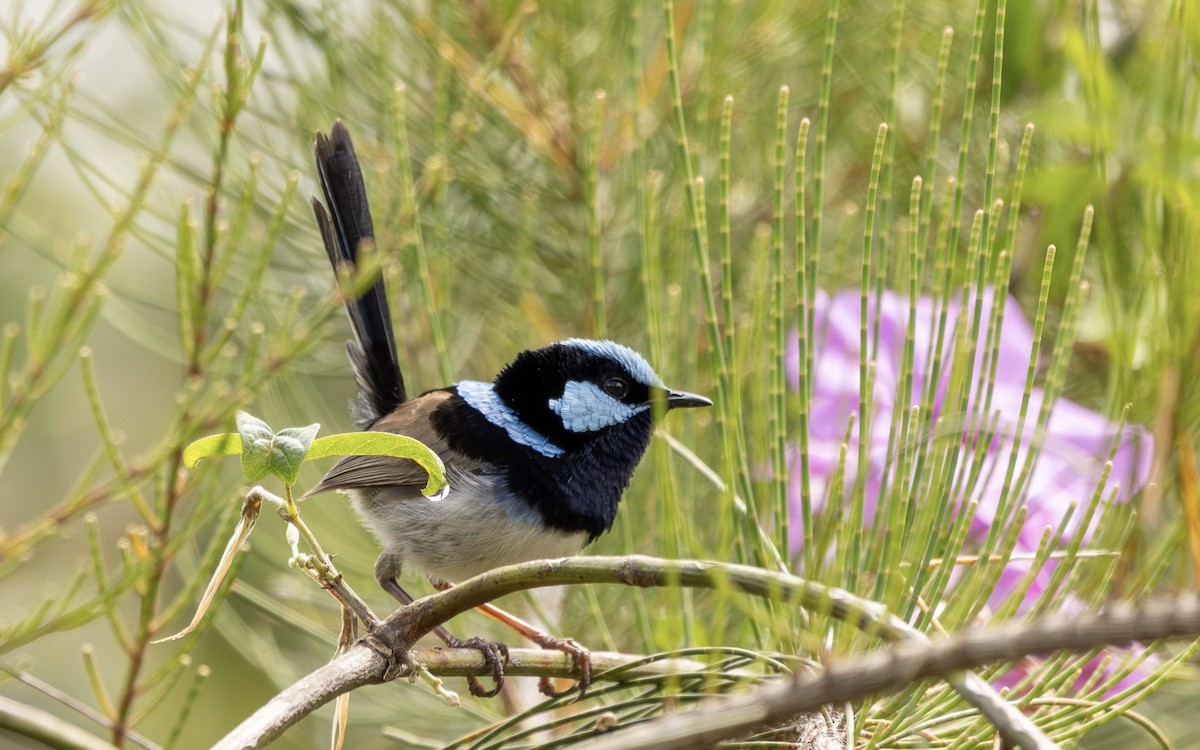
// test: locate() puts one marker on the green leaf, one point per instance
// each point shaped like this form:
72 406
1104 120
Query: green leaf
288 450
384 444
225 444
266 452
256 446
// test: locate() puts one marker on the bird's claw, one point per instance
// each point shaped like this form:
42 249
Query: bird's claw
495 655
579 655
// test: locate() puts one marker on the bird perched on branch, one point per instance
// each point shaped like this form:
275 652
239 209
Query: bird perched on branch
536 459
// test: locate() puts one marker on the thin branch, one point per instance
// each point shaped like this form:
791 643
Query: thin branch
27 721
892 669
533 662
641 571
912 657
374 660
70 702
363 665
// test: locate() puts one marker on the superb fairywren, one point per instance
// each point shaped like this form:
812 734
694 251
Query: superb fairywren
536 460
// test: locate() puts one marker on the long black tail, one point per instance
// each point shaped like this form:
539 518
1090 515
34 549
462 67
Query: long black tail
344 228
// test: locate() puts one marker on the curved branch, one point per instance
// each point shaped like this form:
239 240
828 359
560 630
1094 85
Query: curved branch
364 666
373 660
892 669
29 721
636 570
357 667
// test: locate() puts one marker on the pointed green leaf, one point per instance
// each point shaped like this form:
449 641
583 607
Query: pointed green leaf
251 427
256 446
288 450
225 444
256 459
384 444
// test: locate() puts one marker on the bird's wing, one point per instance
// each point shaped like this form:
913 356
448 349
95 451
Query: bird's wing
412 419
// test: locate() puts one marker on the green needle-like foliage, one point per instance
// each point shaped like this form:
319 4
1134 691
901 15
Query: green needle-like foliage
704 181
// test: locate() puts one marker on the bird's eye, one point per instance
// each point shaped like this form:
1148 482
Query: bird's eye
616 387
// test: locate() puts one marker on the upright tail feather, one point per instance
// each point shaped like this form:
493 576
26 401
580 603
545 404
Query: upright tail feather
343 228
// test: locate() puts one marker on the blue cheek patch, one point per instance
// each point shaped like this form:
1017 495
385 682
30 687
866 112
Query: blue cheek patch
585 408
482 397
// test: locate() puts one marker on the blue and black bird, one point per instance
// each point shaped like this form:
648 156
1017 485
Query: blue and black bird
536 459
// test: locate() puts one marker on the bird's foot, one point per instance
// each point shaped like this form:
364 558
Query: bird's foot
494 654
583 662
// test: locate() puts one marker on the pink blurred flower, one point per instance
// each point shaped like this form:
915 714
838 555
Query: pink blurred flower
1068 468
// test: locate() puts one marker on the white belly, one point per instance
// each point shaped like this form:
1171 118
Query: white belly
468 532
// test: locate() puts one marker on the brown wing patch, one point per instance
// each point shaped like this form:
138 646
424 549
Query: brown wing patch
410 419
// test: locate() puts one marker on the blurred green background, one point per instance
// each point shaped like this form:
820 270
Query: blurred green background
117 118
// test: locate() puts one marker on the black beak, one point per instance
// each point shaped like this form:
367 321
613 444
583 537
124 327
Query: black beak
681 400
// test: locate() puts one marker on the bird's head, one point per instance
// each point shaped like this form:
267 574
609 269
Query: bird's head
578 390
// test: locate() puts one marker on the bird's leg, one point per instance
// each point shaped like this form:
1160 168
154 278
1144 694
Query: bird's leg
494 654
578 652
